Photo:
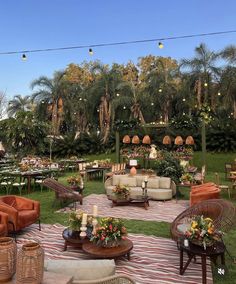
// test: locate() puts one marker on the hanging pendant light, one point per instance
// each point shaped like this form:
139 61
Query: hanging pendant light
126 139
135 139
146 139
24 57
160 45
166 140
90 51
189 140
179 140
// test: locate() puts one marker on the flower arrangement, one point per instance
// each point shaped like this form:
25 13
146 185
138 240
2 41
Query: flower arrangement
121 191
109 232
75 220
202 231
24 167
74 180
184 152
187 178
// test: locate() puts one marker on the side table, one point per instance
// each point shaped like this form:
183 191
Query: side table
218 249
72 240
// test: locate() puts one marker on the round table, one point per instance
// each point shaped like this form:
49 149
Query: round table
218 249
73 239
100 252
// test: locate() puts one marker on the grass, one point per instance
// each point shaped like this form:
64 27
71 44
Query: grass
215 163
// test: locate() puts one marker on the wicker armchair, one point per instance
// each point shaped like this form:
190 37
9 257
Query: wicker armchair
115 279
222 212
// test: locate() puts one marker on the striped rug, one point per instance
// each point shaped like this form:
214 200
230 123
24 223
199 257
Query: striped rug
153 260
157 211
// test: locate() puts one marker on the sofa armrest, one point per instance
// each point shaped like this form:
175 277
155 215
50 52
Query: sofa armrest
173 187
107 183
4 218
11 212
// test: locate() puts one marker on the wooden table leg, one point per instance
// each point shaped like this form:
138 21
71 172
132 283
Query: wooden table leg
128 255
204 269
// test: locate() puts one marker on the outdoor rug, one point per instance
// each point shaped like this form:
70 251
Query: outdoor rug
152 260
157 211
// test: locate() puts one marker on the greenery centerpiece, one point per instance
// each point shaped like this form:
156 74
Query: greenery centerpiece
75 221
202 231
121 191
109 232
187 178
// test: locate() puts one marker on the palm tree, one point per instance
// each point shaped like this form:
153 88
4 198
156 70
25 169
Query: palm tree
203 65
19 103
52 91
162 83
228 88
103 91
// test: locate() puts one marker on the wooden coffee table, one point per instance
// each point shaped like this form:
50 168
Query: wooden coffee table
139 200
100 252
73 240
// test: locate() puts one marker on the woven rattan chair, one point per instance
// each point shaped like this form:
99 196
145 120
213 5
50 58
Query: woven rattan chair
115 279
221 211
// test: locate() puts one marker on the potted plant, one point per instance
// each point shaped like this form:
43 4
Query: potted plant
109 232
202 231
121 192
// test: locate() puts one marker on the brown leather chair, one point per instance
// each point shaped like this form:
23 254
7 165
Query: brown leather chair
204 192
3 224
21 211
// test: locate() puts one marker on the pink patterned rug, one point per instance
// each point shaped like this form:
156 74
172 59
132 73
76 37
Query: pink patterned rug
152 261
157 211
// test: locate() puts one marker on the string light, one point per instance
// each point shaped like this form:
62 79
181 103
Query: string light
160 90
152 104
184 99
124 107
160 45
205 84
90 46
90 51
23 57
219 94
117 95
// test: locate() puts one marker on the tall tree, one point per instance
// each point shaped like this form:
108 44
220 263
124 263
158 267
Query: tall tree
53 92
19 103
204 66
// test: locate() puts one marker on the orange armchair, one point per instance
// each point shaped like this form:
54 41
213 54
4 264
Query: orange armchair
204 192
3 224
21 211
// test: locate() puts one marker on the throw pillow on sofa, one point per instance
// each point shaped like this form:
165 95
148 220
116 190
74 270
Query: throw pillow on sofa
165 182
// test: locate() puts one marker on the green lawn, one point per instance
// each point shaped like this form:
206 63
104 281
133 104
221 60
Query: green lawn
215 164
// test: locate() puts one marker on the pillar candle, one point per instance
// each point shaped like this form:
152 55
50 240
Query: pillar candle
84 218
143 184
146 178
95 210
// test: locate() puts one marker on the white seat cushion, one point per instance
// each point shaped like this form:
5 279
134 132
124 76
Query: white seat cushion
82 269
159 194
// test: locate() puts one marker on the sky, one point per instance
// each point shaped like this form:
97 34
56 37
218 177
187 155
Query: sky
28 24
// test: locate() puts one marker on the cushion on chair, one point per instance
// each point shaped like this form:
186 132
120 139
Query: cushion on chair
24 204
26 217
82 269
160 194
129 181
164 182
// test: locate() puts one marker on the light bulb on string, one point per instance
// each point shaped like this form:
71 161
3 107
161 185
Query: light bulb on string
117 94
160 90
124 107
160 45
205 84
90 51
184 99
24 57
219 94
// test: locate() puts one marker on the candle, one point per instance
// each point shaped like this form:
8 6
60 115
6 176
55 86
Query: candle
143 184
84 218
95 210
186 243
146 179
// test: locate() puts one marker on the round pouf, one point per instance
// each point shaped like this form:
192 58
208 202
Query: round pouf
7 258
30 262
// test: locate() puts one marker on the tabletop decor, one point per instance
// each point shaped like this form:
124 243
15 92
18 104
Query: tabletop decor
186 178
74 180
202 232
121 191
109 233
75 222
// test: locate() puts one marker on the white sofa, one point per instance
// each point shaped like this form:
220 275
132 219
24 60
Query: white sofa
158 188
